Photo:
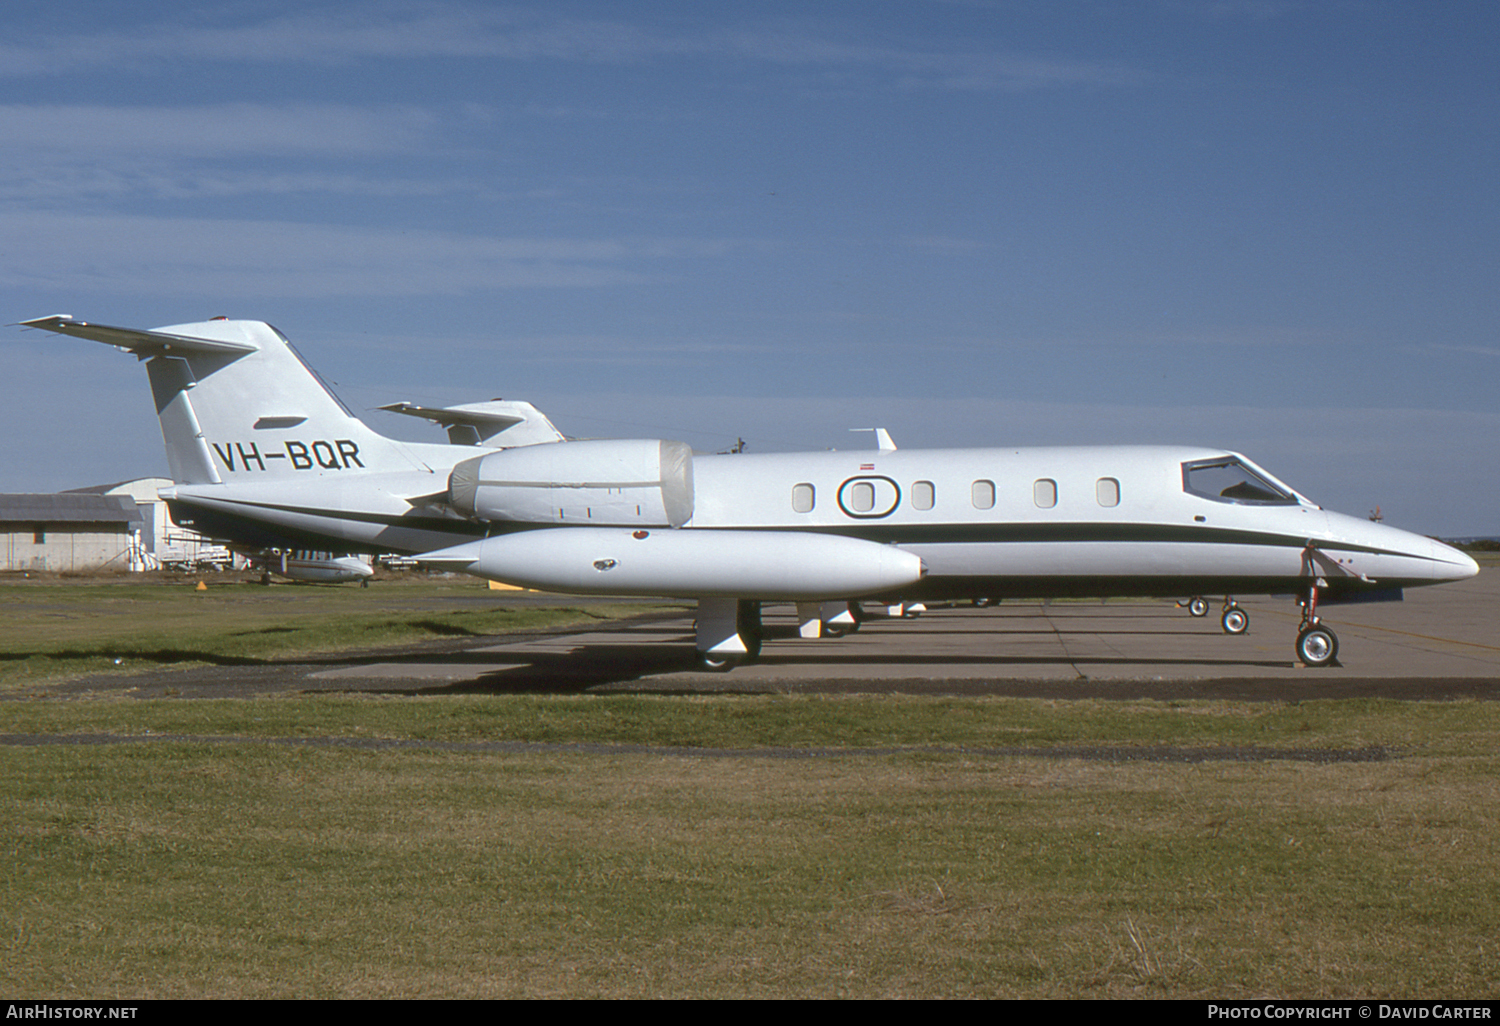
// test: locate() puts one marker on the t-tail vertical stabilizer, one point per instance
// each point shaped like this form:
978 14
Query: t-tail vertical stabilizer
238 405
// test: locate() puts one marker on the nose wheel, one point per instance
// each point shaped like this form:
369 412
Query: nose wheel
1316 645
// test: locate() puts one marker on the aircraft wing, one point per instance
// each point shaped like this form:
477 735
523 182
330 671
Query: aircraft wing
142 343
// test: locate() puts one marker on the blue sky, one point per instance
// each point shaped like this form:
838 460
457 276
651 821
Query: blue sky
1268 225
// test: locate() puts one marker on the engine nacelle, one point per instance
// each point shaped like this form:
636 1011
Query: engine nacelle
617 483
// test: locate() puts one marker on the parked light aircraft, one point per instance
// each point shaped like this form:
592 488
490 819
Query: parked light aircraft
316 567
264 455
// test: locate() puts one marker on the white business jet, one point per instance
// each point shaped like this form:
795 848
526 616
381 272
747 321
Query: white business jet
265 456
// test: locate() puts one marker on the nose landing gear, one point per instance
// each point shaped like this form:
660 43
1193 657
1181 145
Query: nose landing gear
1316 645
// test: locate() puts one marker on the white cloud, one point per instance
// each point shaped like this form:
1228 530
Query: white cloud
404 31
1471 350
100 133
53 185
69 153
165 256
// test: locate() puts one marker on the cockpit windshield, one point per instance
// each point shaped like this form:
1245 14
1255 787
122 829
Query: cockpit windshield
1229 480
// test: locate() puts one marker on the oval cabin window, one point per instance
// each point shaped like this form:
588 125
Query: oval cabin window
1108 491
862 497
1045 493
922 495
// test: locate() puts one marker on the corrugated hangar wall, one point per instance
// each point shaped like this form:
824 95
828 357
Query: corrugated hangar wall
67 532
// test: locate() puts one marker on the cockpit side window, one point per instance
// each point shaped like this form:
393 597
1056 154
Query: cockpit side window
1229 480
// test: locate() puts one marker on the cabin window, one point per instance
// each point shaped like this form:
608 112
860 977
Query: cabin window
922 495
1107 489
983 493
1230 480
862 497
802 498
1044 493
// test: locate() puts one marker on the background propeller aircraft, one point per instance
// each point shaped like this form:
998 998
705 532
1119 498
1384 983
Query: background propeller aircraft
313 567
266 457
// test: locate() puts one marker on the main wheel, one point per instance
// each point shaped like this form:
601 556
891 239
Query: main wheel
716 664
1317 646
1235 621
1197 606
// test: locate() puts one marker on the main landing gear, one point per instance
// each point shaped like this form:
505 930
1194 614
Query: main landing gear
825 619
729 633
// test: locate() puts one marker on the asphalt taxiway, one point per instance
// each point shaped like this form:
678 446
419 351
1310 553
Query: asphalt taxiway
1441 642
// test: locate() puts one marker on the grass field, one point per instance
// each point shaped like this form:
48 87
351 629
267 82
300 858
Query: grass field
262 868
59 628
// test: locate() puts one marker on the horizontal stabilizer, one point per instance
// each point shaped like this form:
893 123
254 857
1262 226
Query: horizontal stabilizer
520 422
141 343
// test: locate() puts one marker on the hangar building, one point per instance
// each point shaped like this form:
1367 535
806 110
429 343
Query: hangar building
69 532
165 545
109 527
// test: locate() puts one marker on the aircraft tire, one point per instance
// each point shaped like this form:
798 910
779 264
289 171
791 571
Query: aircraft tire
1318 646
716 664
1197 606
1235 620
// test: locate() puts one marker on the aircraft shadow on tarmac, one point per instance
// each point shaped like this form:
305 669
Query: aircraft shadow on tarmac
599 664
656 656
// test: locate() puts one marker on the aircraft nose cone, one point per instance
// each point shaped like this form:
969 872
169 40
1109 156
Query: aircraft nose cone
1459 566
